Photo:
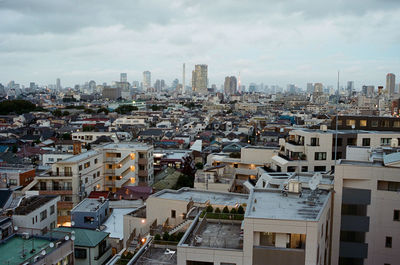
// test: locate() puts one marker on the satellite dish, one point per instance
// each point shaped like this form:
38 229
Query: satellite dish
51 245
43 252
314 181
72 223
66 238
16 228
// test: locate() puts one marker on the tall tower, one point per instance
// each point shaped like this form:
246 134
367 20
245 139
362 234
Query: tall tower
58 84
239 84
183 79
199 79
146 80
390 84
123 77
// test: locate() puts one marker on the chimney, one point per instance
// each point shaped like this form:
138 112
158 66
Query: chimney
77 147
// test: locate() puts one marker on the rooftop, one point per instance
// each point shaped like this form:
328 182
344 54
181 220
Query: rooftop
127 145
84 237
156 256
30 204
269 204
89 205
80 157
215 234
202 196
11 250
115 223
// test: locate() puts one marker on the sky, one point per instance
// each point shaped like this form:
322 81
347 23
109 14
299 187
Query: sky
267 41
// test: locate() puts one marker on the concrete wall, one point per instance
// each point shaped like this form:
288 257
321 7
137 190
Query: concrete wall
273 256
258 156
209 255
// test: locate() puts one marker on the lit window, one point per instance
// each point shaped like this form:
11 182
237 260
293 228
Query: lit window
363 123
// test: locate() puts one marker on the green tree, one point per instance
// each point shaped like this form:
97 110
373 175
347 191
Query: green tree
209 209
125 109
66 136
57 113
17 106
199 165
105 110
240 210
217 210
225 210
165 236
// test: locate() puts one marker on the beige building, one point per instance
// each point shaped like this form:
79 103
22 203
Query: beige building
200 79
366 214
278 228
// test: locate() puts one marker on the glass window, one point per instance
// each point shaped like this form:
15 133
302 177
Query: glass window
396 124
80 253
385 141
366 142
363 123
350 122
52 208
374 123
320 156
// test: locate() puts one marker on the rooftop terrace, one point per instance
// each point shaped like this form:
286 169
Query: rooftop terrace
88 205
200 196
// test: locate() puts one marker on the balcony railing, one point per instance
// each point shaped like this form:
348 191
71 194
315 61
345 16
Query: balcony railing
102 254
296 143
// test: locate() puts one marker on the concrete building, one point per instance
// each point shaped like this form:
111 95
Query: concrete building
89 137
111 93
230 85
278 228
199 79
16 175
146 80
90 213
90 246
390 84
366 212
36 215
123 78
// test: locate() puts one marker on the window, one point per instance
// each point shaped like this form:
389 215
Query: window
351 141
88 219
388 242
396 215
366 141
94 175
51 159
319 168
95 161
363 123
350 122
52 208
13 182
173 214
43 215
374 123
304 169
86 180
87 164
314 141
80 253
385 123
110 177
33 220
141 155
80 167
396 124
109 166
320 156
388 185
98 173
385 141
267 239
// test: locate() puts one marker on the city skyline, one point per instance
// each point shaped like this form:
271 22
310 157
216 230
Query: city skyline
267 42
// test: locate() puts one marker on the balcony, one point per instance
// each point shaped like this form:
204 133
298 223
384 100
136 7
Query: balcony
65 205
355 223
295 148
56 192
142 161
353 250
105 254
273 255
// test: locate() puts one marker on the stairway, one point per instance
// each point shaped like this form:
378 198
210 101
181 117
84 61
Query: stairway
179 226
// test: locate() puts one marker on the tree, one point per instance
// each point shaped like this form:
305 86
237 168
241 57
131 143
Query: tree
234 155
125 109
17 106
65 113
105 110
217 210
199 165
225 210
240 210
184 181
233 211
165 236
209 209
89 111
66 136
57 113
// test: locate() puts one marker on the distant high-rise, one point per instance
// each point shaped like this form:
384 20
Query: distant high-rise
58 84
318 88
199 79
390 83
92 86
310 88
183 79
230 85
350 87
146 80
123 77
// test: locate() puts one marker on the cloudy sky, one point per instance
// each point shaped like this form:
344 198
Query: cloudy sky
269 41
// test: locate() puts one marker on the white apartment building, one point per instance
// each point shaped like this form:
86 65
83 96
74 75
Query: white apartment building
127 164
89 137
130 121
36 214
50 158
290 228
309 150
366 213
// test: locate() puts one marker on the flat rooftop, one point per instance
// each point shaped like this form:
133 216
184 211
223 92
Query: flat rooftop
11 250
268 204
89 205
202 196
157 256
213 234
127 145
30 204
80 157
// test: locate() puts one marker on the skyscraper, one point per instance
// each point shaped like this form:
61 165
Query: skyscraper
199 79
183 79
390 83
230 85
58 84
310 88
123 77
146 80
350 87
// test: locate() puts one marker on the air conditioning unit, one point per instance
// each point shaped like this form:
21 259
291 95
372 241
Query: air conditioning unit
25 235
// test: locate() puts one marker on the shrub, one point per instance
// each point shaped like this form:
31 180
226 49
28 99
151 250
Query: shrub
180 235
165 236
209 209
225 210
233 211
217 210
240 210
157 237
172 238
